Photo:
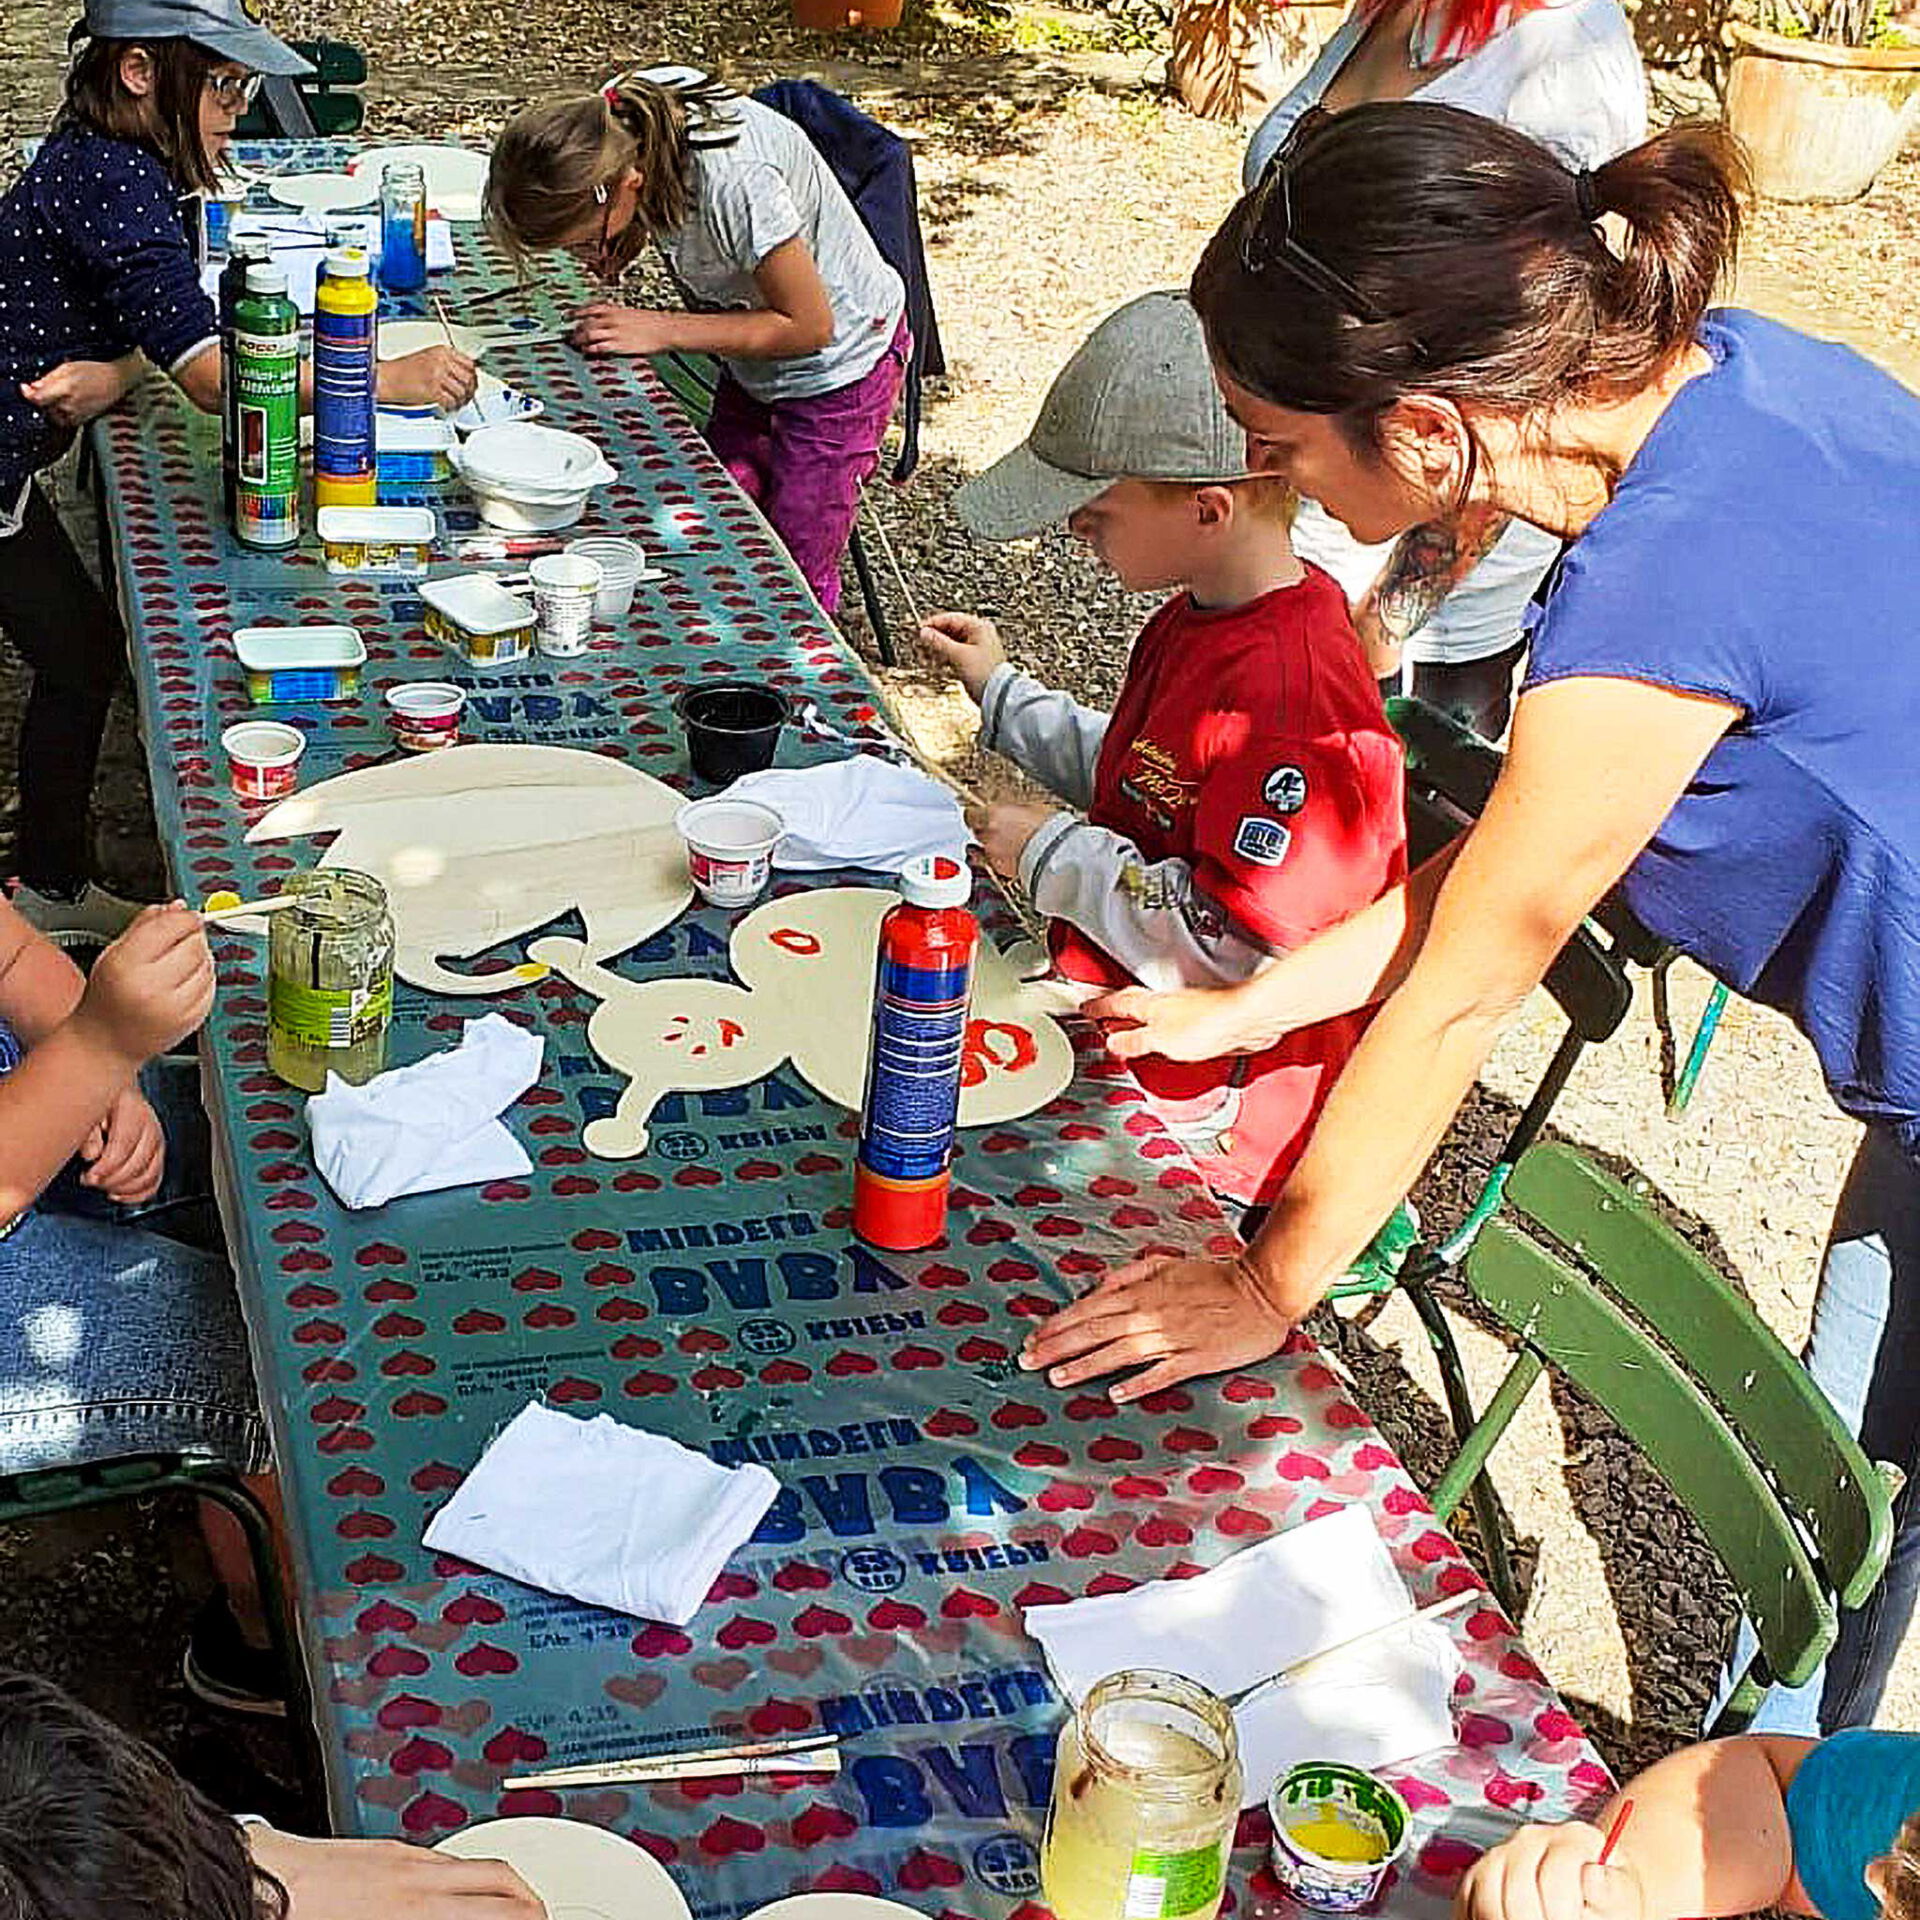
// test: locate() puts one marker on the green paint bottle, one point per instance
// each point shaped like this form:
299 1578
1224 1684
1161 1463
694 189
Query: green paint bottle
266 378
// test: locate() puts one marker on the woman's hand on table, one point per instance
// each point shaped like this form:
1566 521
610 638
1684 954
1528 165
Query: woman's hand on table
606 327
967 644
151 988
355 1879
1173 1318
433 377
1003 830
77 391
1550 1873
126 1153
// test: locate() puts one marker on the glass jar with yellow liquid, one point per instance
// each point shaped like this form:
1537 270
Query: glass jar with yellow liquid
330 979
1146 1793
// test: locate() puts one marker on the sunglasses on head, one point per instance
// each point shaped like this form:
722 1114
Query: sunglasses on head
1267 239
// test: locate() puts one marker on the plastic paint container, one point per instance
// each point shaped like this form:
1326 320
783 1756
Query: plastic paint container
730 847
478 618
425 715
621 563
1336 1832
396 541
287 664
564 586
411 451
343 381
264 756
732 727
923 983
266 382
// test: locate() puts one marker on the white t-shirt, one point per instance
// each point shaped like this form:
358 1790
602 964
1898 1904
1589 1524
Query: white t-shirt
1570 76
754 195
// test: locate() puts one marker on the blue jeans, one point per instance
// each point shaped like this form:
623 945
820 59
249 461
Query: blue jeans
1864 1354
118 1335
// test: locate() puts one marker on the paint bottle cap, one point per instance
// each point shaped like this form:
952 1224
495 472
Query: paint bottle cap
347 263
266 278
936 880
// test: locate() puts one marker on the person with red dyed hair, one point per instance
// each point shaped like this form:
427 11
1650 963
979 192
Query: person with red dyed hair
1446 602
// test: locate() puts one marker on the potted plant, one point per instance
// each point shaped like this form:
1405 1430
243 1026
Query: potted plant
1232 59
1822 94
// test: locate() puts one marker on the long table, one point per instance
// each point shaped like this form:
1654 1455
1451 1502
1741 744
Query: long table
712 1291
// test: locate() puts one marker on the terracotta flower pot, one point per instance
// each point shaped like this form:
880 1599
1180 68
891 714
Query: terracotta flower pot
1818 121
835 16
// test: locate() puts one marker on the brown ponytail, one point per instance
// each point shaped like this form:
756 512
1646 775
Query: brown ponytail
1409 247
555 158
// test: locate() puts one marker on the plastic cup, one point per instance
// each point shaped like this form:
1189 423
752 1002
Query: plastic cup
263 756
564 586
621 563
730 847
425 715
732 726
1355 1803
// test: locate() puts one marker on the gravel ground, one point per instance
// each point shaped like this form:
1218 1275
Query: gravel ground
1052 189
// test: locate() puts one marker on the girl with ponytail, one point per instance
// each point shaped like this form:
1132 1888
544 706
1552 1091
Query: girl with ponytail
784 285
1420 312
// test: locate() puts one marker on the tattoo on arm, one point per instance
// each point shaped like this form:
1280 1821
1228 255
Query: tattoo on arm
1424 568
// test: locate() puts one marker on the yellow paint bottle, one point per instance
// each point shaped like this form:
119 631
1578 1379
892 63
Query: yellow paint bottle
345 371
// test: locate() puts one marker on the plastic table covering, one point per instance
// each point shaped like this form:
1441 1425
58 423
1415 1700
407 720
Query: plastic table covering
712 1291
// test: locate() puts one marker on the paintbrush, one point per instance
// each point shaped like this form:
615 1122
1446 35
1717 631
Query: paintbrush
817 1753
1451 1604
440 313
1614 1832
221 908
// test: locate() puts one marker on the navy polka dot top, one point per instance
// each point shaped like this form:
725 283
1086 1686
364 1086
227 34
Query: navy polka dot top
94 261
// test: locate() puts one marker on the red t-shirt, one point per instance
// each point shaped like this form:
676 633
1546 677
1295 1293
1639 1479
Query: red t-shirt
1250 743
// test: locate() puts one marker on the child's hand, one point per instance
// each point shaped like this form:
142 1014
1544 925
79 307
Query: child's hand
969 645
1550 1873
1004 829
607 328
433 377
126 1153
152 987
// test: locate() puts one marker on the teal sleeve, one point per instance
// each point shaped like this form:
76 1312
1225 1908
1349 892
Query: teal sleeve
1845 1808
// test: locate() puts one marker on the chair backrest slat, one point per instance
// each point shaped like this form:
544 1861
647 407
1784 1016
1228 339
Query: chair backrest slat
1781 1417
1559 1313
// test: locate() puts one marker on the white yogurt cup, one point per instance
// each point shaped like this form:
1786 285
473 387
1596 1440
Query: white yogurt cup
425 715
730 847
621 563
264 756
564 586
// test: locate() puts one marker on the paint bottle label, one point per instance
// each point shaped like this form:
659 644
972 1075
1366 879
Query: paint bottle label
344 372
266 510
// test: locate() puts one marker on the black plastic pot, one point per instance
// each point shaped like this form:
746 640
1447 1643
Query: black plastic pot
732 727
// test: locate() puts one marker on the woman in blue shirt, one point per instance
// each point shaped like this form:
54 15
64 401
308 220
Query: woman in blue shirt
98 281
1417 312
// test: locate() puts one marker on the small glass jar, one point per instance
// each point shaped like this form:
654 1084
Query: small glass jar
403 227
330 980
1146 1795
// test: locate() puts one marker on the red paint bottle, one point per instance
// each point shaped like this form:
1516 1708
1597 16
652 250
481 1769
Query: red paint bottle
922 983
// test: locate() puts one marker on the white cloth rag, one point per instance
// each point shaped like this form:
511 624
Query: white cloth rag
857 812
431 1125
1298 1593
604 1513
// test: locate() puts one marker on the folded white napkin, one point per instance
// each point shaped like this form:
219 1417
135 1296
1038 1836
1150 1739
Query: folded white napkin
430 1125
857 812
1295 1594
603 1513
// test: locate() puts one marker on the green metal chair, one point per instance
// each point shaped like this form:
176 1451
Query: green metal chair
1601 1289
1450 774
325 103
27 1498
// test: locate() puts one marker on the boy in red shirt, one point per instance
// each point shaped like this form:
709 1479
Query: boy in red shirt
1245 793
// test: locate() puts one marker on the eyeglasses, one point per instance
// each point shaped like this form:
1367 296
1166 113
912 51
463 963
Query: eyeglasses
235 91
1267 238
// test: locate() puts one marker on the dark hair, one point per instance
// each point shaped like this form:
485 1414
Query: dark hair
553 157
167 124
1412 248
95 1825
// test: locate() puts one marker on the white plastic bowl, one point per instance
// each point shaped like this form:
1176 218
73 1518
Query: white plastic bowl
530 479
